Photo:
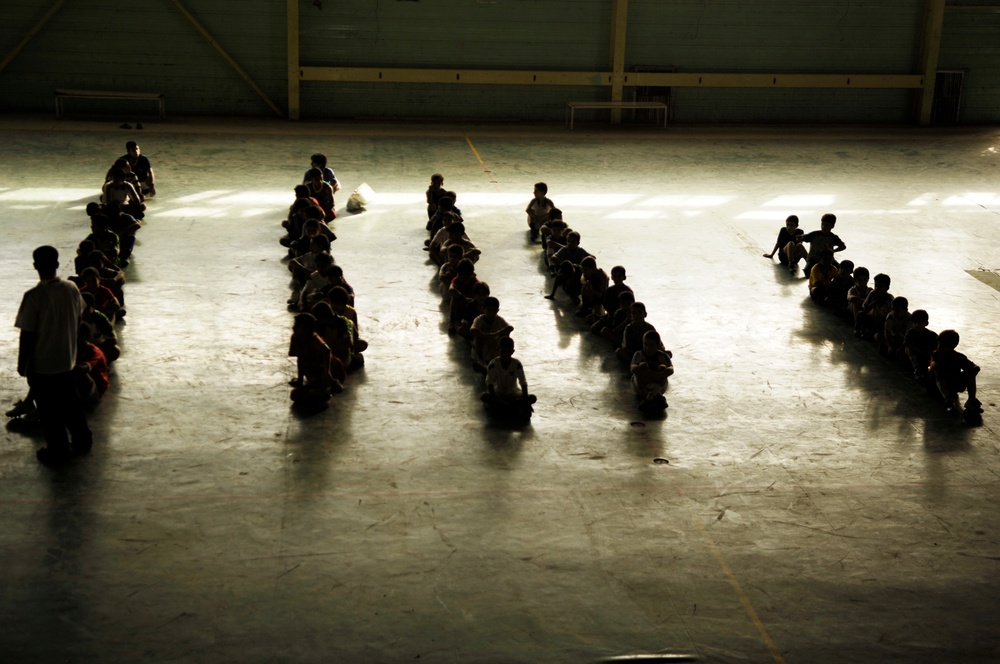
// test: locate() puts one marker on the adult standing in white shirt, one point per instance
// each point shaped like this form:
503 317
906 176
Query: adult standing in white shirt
49 320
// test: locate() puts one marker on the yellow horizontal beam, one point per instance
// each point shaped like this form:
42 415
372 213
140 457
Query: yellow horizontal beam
596 78
717 80
468 76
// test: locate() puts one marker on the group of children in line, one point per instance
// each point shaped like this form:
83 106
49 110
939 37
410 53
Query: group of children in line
607 304
880 317
473 314
99 272
326 341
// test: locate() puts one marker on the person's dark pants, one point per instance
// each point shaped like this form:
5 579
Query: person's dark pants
59 410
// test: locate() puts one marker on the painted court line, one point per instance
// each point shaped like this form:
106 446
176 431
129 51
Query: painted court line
486 169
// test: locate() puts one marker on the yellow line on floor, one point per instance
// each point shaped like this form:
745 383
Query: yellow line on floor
744 600
486 169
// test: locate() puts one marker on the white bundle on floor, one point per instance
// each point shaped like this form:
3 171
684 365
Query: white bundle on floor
360 198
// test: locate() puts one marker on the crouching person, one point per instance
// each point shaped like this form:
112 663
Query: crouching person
506 393
651 367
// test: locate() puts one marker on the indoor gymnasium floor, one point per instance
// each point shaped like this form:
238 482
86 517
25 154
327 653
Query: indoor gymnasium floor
817 505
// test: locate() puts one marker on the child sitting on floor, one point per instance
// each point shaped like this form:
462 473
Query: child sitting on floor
795 251
877 306
434 193
919 343
538 210
954 373
314 383
897 324
784 237
821 277
506 387
632 336
104 300
651 366
487 329
593 286
856 296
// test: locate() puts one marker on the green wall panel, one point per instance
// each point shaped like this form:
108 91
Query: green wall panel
149 46
972 43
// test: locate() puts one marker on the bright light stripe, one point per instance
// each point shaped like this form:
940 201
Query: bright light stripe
194 198
193 212
801 200
636 214
49 194
276 198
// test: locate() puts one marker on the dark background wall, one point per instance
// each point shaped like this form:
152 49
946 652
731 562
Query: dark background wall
150 46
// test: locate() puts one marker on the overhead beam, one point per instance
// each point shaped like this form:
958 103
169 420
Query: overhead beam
466 76
596 78
225 56
28 36
930 51
294 108
619 25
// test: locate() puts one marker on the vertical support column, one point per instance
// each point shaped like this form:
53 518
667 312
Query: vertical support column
619 23
930 50
293 60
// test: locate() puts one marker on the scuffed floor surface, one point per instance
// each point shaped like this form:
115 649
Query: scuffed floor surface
817 506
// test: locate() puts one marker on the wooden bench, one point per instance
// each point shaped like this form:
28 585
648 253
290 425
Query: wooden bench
63 95
613 105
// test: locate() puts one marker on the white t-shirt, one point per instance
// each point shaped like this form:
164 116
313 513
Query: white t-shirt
506 382
52 310
486 348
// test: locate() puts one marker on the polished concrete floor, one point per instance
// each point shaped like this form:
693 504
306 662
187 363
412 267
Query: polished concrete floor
816 507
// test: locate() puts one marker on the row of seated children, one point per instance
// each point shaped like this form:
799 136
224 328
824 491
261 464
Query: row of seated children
99 272
606 303
473 314
129 181
325 341
903 336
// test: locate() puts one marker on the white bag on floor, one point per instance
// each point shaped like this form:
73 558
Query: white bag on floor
360 198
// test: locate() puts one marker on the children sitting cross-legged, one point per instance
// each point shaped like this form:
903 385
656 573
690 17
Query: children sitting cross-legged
460 293
569 276
338 333
593 286
314 288
305 265
538 210
339 299
651 366
877 306
473 309
919 343
856 296
613 327
572 252
90 375
322 191
99 330
836 298
954 373
631 341
315 381
434 193
457 236
506 387
487 330
104 299
821 277
553 239
897 323
447 273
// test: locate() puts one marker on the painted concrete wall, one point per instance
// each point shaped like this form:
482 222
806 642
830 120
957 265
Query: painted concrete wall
118 45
